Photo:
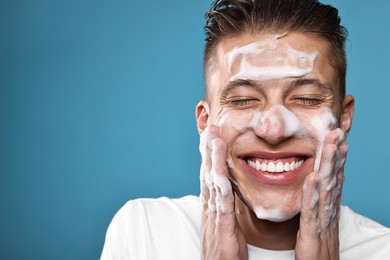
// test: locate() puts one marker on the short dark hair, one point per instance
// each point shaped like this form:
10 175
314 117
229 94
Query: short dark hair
229 18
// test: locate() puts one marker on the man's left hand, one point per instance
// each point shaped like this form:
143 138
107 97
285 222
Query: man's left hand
318 236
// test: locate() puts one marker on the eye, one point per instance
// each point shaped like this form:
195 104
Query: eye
308 101
241 101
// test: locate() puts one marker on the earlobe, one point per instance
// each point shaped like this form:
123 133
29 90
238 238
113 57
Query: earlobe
202 115
347 113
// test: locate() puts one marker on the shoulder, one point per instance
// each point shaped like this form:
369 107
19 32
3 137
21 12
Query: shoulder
361 237
187 206
156 211
145 227
164 202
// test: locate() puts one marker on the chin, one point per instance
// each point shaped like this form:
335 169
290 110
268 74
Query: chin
271 206
276 214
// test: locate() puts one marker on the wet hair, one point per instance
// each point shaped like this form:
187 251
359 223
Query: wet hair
231 18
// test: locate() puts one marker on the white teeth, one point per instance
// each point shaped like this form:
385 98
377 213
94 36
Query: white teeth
286 167
252 164
272 167
292 166
258 165
263 166
279 167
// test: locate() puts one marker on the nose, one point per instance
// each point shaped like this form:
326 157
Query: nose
276 124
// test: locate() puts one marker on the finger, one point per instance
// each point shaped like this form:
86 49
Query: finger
226 222
326 183
204 187
342 155
211 204
309 225
337 192
206 138
328 178
207 195
210 193
335 189
339 169
209 215
204 169
341 164
337 215
220 175
211 179
210 132
330 158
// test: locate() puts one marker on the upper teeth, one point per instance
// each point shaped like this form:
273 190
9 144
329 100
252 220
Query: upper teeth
274 166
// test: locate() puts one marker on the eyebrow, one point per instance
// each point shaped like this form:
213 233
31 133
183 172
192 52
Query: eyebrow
254 84
310 81
237 84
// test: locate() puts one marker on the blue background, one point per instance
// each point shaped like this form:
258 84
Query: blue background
97 107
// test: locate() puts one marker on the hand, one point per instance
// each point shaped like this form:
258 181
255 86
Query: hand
318 235
221 237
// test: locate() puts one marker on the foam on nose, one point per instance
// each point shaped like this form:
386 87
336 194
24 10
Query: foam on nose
277 121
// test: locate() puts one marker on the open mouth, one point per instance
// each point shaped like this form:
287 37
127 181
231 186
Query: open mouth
275 166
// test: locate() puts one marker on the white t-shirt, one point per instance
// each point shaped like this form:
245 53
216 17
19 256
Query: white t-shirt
169 229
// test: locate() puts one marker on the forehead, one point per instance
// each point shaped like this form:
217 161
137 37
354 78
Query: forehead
270 56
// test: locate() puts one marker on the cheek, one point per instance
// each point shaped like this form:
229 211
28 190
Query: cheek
233 123
318 125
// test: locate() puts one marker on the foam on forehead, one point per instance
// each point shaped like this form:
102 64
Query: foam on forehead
270 59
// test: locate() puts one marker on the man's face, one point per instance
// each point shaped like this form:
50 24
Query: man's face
274 98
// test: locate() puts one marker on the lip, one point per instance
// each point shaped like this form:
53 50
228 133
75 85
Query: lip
283 178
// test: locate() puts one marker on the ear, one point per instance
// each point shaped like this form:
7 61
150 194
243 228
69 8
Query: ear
202 115
347 111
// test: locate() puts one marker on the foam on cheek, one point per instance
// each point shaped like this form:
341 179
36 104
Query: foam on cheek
233 120
278 120
268 60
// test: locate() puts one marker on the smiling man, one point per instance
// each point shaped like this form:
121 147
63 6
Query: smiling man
273 133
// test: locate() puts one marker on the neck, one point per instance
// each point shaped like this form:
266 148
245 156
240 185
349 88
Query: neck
263 233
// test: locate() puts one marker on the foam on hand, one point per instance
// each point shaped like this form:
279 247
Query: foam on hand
321 124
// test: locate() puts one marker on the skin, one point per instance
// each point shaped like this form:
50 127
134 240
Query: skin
309 205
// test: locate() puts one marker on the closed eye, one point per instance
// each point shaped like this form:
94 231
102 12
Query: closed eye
308 101
241 102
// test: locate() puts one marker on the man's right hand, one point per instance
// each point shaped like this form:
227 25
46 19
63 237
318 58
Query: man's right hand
221 236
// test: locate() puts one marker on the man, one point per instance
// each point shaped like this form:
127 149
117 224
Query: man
273 132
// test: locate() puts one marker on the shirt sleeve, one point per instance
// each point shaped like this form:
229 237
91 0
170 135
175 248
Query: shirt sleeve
364 238
119 242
